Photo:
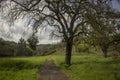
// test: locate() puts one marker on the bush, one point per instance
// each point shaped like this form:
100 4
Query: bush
82 48
29 51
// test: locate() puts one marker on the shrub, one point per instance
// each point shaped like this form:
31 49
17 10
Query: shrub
82 48
29 51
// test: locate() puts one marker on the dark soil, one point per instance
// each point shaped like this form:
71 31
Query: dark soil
49 71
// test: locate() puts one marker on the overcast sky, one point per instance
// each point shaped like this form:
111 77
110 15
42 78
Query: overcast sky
116 5
20 29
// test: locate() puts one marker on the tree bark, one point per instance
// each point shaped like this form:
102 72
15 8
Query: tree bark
68 52
105 51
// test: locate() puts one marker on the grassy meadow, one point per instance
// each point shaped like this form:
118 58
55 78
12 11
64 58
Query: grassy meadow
82 68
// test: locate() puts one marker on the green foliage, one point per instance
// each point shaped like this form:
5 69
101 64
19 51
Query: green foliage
20 68
92 68
7 48
83 67
82 48
81 45
115 43
33 41
24 74
47 49
29 51
21 47
15 65
116 37
11 69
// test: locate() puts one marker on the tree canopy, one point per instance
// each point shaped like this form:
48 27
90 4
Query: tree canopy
70 18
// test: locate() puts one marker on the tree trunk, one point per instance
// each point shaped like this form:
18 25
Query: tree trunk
105 51
69 44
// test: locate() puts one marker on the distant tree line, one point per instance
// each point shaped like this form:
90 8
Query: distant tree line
22 48
27 47
7 48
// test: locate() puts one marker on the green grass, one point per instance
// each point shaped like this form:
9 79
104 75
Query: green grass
93 68
82 68
20 68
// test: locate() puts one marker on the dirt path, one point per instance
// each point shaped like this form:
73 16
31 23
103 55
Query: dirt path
49 71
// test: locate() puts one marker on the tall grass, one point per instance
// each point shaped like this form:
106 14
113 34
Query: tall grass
82 68
93 68
20 68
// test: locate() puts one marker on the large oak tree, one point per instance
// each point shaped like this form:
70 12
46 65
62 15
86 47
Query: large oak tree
68 17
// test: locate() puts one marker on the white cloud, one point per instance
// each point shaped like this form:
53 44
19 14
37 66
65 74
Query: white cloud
20 29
